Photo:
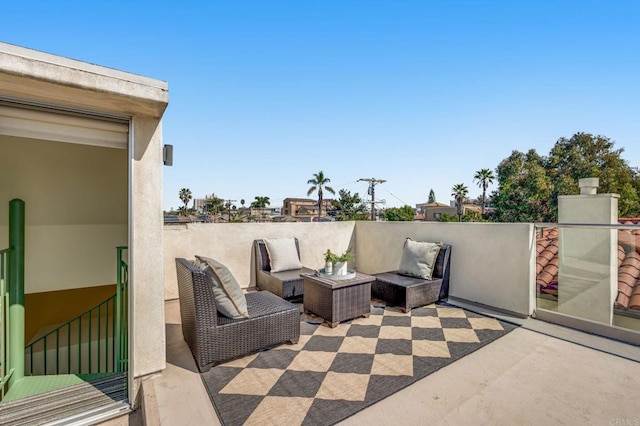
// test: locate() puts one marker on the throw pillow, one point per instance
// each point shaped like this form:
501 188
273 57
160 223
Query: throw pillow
229 298
418 258
283 254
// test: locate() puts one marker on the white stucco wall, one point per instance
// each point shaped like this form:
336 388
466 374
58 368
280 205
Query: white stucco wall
491 263
232 245
588 258
145 247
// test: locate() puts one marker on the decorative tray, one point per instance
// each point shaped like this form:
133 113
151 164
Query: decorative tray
349 275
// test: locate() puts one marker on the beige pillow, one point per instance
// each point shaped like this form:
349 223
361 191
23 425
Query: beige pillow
230 300
283 254
418 258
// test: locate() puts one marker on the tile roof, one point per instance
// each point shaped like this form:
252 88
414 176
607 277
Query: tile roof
628 264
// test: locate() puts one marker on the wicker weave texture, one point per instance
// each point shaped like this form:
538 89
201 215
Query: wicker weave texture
214 338
340 300
405 292
286 284
409 292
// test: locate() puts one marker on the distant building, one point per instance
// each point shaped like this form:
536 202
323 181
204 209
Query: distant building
433 211
304 208
199 204
262 214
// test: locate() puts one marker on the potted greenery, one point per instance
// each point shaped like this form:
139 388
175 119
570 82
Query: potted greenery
340 264
329 260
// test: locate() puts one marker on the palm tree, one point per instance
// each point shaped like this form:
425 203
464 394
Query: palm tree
214 206
185 197
319 183
459 193
485 178
260 202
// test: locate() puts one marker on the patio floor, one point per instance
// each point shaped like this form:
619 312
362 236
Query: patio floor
525 377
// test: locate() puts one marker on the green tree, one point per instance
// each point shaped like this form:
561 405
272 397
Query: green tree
214 206
529 184
524 189
237 215
484 177
432 197
185 197
396 214
319 184
585 155
459 192
350 207
469 216
260 202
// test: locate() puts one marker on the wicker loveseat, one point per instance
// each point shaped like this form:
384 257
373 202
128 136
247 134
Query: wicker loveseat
214 338
285 284
410 292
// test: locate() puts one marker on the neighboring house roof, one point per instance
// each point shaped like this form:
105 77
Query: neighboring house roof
306 200
628 264
472 207
285 218
434 204
300 199
308 210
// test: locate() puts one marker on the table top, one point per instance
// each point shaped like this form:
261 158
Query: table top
360 278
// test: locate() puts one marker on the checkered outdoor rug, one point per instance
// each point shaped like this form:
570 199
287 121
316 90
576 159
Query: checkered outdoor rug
333 373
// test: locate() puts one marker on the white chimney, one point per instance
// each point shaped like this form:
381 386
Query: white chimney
588 186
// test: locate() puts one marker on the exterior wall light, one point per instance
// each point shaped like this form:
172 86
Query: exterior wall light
167 155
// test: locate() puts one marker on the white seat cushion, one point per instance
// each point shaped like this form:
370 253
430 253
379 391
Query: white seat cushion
229 297
283 254
418 259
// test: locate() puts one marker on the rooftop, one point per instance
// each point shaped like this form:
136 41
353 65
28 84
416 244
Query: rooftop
529 376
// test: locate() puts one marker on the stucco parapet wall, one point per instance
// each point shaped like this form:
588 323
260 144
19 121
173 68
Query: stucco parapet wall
115 90
579 196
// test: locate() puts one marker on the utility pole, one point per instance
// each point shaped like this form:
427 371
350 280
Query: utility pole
372 192
229 208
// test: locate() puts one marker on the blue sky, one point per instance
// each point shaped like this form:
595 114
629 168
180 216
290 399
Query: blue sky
421 93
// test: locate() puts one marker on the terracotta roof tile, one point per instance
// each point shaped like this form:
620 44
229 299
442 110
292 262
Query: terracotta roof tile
628 240
628 264
550 290
629 279
634 302
625 288
621 255
544 279
622 300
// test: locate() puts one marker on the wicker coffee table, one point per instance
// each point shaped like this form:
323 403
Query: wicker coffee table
337 300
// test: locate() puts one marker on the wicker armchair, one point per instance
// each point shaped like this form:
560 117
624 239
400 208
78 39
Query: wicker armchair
285 284
410 292
214 338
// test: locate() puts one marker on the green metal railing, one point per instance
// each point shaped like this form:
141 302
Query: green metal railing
122 313
96 341
5 371
12 300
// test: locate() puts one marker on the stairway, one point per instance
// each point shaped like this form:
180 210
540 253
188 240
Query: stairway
73 404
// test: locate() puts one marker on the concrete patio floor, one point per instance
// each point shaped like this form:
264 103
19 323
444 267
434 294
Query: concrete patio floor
524 378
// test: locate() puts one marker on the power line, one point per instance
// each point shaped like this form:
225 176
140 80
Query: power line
394 196
372 193
229 207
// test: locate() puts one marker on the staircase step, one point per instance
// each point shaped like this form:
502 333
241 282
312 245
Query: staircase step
64 403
